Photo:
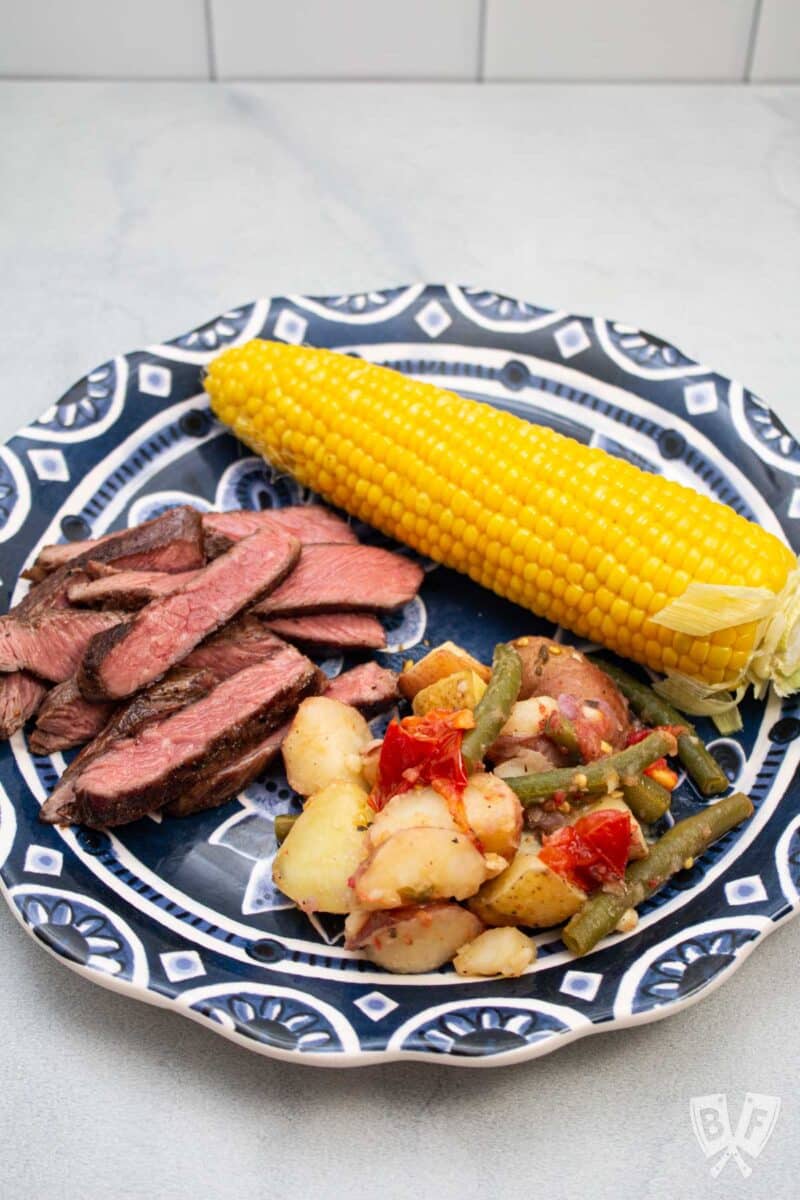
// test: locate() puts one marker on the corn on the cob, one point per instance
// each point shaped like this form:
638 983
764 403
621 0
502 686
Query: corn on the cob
588 541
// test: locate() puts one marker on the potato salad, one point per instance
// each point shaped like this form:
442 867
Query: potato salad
509 799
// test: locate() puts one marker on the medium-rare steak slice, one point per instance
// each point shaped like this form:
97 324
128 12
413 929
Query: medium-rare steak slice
66 719
181 687
152 768
369 688
46 596
218 786
170 542
332 631
125 590
52 644
309 523
20 697
120 662
240 644
341 578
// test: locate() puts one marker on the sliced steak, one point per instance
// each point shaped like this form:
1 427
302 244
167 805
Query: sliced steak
66 719
369 687
171 542
52 558
20 697
332 631
154 767
181 687
53 644
309 523
241 644
125 590
43 597
101 570
344 578
228 781
125 659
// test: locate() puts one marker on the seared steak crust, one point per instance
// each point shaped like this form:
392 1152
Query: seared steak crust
179 688
145 772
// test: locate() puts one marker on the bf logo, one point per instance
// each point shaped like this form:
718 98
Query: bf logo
712 1128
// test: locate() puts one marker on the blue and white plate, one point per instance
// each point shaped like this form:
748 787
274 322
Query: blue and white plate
184 913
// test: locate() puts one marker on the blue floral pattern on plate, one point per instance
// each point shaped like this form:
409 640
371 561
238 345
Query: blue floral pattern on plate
186 911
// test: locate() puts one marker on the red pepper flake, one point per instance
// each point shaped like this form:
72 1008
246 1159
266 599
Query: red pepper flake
592 852
660 770
423 750
662 773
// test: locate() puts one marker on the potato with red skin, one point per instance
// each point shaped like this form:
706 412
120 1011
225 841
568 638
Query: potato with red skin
412 939
551 669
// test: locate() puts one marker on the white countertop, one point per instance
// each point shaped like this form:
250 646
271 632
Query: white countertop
132 212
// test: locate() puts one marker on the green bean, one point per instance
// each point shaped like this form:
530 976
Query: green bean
647 799
283 825
603 775
700 764
680 845
494 707
561 732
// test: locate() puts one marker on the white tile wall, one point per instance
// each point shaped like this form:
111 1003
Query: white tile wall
402 39
618 39
144 39
346 39
777 47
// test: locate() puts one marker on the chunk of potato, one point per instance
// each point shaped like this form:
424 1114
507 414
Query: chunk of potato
617 804
494 814
528 718
527 893
415 866
414 939
440 662
324 743
422 807
496 952
524 762
324 849
463 689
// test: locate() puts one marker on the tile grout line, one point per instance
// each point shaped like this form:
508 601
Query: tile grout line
480 76
751 43
210 50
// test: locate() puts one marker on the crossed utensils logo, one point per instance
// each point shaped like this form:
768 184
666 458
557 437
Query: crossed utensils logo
712 1128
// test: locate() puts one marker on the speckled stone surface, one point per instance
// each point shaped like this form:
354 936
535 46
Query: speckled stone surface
131 212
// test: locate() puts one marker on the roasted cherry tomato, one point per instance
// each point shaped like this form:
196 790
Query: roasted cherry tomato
591 852
423 750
